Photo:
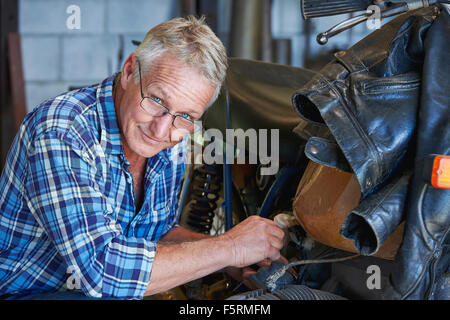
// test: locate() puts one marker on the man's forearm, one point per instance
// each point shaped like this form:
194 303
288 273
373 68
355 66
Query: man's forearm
181 234
249 242
187 261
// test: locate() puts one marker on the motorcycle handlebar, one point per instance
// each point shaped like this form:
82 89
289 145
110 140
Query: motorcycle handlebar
316 8
320 8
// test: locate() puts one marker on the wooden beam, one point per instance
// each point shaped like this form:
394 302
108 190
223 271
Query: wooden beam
19 109
188 7
208 8
8 23
266 31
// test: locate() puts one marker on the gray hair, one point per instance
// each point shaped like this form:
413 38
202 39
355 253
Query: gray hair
192 42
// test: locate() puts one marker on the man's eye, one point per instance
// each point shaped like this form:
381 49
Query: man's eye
156 99
185 116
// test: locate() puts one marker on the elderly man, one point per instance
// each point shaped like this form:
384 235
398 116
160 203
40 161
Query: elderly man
89 192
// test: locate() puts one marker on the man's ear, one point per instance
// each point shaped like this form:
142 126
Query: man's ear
128 70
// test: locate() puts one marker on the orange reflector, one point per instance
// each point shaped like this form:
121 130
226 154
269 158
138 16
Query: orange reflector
440 176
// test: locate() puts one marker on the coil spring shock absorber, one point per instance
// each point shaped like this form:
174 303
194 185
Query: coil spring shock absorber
206 185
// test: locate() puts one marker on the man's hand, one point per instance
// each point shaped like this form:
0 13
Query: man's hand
249 242
254 240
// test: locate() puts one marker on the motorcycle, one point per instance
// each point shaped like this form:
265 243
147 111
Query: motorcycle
333 250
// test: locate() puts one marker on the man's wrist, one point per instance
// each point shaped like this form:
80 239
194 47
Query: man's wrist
230 248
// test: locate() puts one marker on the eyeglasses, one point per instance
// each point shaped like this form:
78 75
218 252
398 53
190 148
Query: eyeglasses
153 107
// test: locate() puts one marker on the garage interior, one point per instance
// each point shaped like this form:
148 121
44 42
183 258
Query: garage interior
48 47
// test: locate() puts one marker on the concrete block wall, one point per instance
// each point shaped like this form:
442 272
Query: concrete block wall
56 57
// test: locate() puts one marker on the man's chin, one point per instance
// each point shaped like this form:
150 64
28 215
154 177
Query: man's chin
149 150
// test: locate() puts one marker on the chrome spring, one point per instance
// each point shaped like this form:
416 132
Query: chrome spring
206 185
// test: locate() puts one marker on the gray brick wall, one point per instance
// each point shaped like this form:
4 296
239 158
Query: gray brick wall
137 15
41 58
49 16
56 57
88 58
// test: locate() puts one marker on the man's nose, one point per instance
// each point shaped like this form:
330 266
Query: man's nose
161 126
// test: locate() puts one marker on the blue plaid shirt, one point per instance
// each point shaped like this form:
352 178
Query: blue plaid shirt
67 207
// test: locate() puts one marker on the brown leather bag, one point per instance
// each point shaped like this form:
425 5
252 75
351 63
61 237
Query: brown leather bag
324 198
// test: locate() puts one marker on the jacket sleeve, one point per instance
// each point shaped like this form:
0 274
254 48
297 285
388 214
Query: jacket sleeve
371 223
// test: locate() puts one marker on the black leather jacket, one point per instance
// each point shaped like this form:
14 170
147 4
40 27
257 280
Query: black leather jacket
386 102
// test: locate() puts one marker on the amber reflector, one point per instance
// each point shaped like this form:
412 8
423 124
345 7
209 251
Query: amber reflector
440 176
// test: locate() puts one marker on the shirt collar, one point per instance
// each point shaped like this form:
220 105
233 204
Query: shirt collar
110 133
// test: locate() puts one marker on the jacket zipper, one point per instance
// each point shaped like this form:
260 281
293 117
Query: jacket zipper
434 260
431 261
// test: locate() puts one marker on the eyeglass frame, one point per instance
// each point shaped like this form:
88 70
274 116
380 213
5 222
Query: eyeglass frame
167 111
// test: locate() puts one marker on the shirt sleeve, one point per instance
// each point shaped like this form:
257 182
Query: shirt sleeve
66 200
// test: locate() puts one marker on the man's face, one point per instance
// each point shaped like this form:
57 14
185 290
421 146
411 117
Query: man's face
171 83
